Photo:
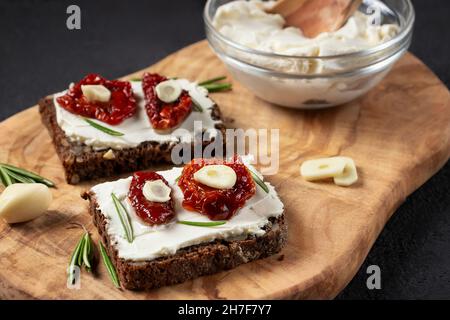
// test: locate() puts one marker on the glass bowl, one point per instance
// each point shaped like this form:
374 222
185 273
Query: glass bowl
284 80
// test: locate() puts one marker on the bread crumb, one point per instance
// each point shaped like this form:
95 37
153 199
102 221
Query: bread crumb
109 155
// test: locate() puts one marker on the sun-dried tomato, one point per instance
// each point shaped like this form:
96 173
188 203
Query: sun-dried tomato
162 115
152 213
121 106
217 204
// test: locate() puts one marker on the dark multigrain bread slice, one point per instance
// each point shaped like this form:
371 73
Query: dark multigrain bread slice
82 162
190 262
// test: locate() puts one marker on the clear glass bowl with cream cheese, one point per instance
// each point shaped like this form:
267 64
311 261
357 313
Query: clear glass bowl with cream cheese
280 65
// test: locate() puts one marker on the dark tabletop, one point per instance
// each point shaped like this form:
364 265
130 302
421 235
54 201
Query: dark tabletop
39 55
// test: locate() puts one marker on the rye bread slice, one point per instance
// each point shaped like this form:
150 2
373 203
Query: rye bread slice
81 162
191 262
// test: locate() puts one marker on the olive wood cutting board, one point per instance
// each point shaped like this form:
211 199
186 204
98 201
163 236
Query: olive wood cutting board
398 135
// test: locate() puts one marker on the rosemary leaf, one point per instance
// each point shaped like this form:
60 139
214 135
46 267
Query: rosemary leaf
109 266
202 224
29 174
196 106
124 218
218 87
2 181
258 181
87 252
209 81
135 79
6 179
80 255
104 129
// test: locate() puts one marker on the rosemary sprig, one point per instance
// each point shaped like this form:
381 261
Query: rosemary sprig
104 129
218 87
123 217
202 224
109 266
16 174
258 181
209 81
82 255
18 177
74 260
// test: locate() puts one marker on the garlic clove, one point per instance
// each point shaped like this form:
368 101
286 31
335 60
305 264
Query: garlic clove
156 191
216 176
168 91
22 202
323 168
96 92
349 176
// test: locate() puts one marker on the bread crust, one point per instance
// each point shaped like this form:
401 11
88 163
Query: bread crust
81 162
191 262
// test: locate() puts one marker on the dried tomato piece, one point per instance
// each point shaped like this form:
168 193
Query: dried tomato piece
162 115
121 106
217 204
152 213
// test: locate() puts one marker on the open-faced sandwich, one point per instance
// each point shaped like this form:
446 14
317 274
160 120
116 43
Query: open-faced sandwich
105 127
166 227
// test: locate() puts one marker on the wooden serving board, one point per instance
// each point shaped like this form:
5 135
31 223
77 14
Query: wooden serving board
398 135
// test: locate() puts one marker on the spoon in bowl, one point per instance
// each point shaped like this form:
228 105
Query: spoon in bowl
316 16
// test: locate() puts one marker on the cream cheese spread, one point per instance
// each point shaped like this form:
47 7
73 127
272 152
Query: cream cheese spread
151 242
138 128
247 23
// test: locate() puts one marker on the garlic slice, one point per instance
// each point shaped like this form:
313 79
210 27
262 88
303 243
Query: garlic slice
323 168
22 202
156 191
349 176
168 91
96 92
216 176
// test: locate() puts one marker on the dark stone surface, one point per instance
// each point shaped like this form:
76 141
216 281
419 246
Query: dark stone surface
39 55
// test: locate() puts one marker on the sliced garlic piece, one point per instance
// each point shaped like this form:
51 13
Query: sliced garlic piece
22 202
96 92
156 191
349 176
109 155
216 176
168 91
323 168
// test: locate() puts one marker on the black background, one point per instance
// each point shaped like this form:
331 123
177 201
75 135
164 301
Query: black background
39 55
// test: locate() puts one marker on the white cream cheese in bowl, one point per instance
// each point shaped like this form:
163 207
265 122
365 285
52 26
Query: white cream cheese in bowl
138 128
279 64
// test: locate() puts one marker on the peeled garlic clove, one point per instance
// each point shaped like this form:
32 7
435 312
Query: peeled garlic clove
156 191
168 91
96 92
349 176
22 202
323 168
216 176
